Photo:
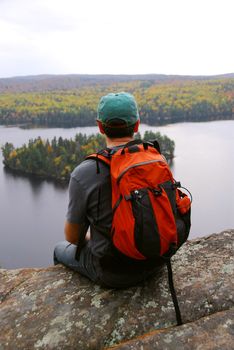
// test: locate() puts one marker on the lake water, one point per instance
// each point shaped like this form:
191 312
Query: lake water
32 212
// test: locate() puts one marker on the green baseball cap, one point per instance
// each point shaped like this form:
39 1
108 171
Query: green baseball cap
121 105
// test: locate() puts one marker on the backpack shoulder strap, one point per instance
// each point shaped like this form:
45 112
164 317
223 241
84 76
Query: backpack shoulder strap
101 156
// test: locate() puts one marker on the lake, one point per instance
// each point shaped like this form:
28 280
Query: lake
32 211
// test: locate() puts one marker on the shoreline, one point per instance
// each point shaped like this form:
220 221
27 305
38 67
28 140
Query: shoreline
31 125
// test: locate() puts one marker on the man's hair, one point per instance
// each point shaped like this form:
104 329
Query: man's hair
118 128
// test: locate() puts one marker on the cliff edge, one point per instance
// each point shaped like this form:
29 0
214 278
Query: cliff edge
55 308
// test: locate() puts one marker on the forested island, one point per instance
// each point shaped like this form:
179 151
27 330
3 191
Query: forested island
68 101
57 158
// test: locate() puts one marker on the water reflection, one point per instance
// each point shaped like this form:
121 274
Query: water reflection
34 182
32 214
48 126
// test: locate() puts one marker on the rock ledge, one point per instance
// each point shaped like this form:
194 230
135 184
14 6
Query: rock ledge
55 308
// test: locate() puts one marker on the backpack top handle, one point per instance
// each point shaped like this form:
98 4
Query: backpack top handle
145 144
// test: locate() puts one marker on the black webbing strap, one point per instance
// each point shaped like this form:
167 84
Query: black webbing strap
173 292
81 240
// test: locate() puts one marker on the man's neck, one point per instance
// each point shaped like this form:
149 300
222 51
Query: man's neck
117 141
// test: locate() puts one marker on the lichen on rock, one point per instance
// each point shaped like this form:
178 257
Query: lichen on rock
56 308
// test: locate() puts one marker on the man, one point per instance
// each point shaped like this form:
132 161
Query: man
90 206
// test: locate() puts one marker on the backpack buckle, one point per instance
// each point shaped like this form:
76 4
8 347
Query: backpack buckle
157 191
136 194
176 184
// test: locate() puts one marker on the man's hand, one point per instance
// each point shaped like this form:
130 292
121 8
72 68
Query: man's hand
72 232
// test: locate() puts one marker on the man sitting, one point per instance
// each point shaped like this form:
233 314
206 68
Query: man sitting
90 206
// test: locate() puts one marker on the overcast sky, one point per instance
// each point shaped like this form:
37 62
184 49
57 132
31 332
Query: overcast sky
116 37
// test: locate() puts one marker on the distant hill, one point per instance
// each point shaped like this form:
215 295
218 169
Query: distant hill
39 83
71 100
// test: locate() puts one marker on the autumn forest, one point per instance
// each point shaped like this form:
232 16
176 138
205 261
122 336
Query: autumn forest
160 101
68 101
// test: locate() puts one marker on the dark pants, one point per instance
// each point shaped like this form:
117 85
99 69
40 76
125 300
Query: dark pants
65 252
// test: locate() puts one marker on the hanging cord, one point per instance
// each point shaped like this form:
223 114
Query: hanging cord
190 194
173 292
177 184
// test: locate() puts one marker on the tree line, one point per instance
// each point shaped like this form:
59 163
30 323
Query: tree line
159 103
57 158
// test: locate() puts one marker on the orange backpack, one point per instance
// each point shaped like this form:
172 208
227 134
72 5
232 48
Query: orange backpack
151 216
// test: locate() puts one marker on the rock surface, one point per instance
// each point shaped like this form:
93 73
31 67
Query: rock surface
211 332
55 308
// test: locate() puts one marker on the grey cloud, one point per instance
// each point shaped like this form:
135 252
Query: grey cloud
33 16
27 64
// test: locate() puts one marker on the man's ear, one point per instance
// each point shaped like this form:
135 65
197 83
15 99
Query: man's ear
100 127
136 126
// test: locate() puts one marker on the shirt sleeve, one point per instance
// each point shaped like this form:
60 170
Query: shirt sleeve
77 204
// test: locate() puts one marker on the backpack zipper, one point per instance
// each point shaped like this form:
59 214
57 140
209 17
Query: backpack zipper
136 165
